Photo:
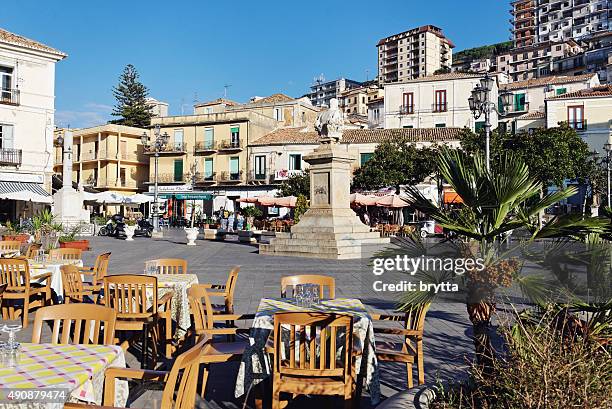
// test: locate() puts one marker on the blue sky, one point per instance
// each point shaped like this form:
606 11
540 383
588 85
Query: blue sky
191 49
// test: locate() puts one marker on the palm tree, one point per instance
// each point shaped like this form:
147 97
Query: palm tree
494 204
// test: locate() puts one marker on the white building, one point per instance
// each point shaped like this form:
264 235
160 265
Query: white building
437 101
158 108
27 107
376 113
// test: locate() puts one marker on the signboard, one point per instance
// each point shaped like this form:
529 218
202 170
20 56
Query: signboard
21 177
284 174
171 188
194 196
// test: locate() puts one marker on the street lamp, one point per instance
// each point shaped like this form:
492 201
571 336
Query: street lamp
608 148
481 104
156 146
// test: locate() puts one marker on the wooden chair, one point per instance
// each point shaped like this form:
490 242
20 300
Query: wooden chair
225 291
74 288
127 295
80 324
204 327
167 266
410 349
322 281
2 290
63 254
301 371
15 273
32 249
7 246
180 382
98 271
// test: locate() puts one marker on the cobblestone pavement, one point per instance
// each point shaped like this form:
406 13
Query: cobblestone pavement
447 343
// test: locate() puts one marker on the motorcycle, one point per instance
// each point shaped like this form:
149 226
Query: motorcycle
115 227
143 228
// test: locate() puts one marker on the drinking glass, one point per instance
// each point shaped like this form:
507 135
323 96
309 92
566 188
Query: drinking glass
316 298
12 330
298 293
308 295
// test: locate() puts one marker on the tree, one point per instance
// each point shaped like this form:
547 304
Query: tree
296 185
395 163
131 95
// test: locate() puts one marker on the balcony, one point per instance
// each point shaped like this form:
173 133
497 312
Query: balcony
578 126
10 157
257 178
169 178
206 178
9 96
176 148
440 107
205 147
229 177
234 145
406 109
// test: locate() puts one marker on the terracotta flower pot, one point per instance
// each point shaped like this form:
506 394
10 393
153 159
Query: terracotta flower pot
76 244
23 238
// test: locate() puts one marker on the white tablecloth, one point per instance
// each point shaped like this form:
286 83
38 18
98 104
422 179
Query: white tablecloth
37 269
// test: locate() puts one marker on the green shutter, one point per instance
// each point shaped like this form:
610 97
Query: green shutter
365 157
235 129
208 137
479 126
178 170
234 165
561 91
519 102
208 167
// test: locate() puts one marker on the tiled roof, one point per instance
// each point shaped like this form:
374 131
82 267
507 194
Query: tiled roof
304 136
11 38
274 99
533 115
218 101
442 77
376 100
353 118
596 92
550 80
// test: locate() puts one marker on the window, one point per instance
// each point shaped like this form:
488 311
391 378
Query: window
440 101
408 102
575 117
235 136
519 102
208 168
440 125
6 136
364 157
479 126
260 167
6 84
408 126
561 91
209 138
178 138
278 114
234 168
295 161
178 170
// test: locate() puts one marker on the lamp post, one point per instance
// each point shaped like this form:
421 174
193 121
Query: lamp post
481 104
608 148
156 146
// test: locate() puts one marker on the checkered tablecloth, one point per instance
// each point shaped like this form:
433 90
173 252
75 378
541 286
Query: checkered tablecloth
179 284
256 366
38 269
77 368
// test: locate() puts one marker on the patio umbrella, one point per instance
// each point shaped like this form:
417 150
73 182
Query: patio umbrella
138 198
27 196
266 200
394 201
106 198
363 200
287 201
251 199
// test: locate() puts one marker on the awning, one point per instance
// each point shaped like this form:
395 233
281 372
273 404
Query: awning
24 191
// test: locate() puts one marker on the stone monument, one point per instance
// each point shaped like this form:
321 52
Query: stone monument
330 228
68 202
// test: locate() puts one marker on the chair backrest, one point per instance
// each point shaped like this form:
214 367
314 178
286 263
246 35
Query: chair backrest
65 254
101 268
335 335
201 308
72 283
321 281
414 318
127 294
32 249
76 324
167 266
10 245
15 272
182 381
2 290
230 287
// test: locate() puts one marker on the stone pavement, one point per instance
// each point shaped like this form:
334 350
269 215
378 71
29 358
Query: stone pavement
447 344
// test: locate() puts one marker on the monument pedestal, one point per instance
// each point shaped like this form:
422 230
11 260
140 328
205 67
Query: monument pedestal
329 229
68 207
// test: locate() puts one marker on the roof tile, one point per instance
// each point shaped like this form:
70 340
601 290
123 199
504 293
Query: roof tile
550 80
596 92
12 38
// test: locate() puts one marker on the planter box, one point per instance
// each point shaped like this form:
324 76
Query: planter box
210 234
22 238
77 244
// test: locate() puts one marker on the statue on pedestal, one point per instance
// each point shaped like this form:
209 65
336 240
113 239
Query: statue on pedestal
330 123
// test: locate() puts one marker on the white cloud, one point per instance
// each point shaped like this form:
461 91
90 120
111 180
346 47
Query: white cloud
93 114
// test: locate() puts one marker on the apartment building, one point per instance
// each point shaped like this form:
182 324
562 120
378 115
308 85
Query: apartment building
27 111
413 54
524 22
355 101
588 111
108 158
213 143
436 101
530 97
321 92
279 154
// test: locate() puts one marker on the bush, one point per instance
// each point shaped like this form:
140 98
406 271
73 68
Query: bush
251 211
543 368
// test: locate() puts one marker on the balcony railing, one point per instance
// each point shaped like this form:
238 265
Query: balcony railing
206 177
10 157
228 177
406 109
171 148
578 126
169 178
230 145
9 96
440 107
205 146
257 177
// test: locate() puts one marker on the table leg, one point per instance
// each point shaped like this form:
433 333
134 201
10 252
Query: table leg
145 336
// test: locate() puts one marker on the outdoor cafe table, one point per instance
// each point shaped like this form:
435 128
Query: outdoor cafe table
53 267
178 284
78 370
256 366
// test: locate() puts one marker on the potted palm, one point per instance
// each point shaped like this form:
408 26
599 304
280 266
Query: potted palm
130 229
15 233
69 239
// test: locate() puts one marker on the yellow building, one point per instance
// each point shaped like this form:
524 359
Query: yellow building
108 158
214 142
